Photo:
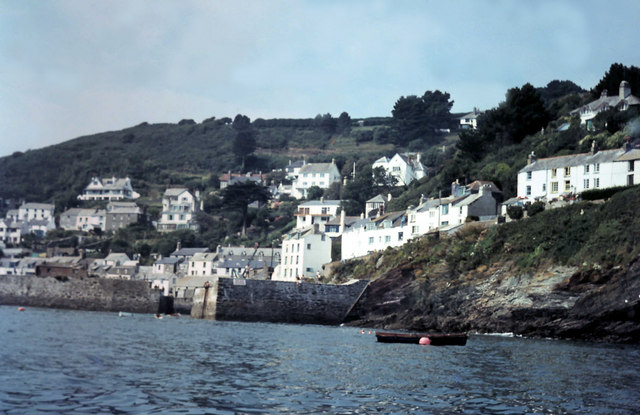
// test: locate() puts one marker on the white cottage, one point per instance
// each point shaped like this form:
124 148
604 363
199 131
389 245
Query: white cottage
553 177
109 188
179 207
303 253
322 175
316 211
405 167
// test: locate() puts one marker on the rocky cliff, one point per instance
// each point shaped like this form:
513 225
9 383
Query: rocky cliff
555 301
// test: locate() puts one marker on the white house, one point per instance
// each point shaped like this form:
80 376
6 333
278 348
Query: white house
10 231
479 199
111 188
374 234
336 226
550 178
470 120
405 167
620 102
316 211
303 253
234 178
179 207
201 264
322 175
36 211
237 260
376 205
79 219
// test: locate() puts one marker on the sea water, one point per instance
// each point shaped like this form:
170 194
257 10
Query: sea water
74 362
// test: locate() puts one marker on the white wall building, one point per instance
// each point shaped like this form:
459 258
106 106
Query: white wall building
550 178
202 264
178 209
316 211
322 175
110 188
303 253
405 167
78 219
374 234
470 120
36 211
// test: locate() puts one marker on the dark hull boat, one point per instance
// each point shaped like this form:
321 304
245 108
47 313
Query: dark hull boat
453 339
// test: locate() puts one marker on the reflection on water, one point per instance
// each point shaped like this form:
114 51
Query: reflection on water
57 361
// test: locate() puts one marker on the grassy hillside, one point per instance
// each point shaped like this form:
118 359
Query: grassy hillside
587 235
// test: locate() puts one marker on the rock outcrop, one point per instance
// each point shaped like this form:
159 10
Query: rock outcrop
556 302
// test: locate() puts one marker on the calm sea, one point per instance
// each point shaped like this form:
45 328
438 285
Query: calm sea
72 362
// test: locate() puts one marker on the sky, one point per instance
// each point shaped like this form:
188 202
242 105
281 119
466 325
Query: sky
70 68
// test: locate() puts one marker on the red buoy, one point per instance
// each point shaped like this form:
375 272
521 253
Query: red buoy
20 308
425 341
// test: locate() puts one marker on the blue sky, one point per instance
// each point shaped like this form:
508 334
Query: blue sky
77 67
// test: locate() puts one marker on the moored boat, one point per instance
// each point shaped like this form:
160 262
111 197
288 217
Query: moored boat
446 339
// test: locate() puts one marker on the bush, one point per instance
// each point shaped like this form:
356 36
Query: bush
515 212
534 208
597 194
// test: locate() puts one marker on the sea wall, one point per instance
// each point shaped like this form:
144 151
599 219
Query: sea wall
78 293
276 301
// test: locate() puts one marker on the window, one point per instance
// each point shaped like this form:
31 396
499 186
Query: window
415 229
432 214
567 171
596 182
371 240
586 183
445 209
544 187
528 193
630 180
529 175
596 168
554 172
567 185
308 246
387 238
309 269
400 236
325 210
586 168
631 166
396 168
554 187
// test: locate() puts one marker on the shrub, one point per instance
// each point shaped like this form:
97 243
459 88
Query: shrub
534 208
515 212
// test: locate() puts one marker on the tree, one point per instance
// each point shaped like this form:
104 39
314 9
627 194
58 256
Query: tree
244 142
612 78
419 118
240 195
344 124
314 193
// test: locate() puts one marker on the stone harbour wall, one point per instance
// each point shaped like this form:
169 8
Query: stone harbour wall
78 293
240 299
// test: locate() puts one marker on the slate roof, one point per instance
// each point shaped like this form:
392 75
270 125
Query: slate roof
176 191
316 168
320 203
188 251
559 162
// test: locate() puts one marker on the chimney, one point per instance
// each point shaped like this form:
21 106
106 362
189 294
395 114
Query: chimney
178 246
531 158
343 216
321 199
594 147
625 90
389 197
627 144
604 93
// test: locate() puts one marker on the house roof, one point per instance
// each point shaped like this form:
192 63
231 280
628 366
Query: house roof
204 256
317 168
633 154
241 263
45 206
188 251
321 202
176 191
167 261
377 199
488 185
573 160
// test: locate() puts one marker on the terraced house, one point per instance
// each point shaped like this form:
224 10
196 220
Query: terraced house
551 178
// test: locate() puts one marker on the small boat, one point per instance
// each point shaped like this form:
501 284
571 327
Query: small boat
124 314
450 339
